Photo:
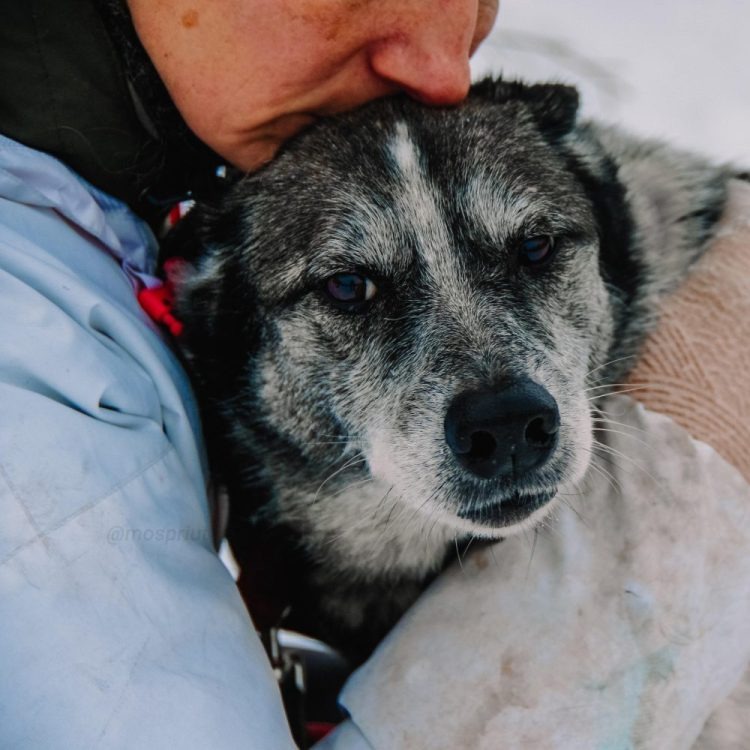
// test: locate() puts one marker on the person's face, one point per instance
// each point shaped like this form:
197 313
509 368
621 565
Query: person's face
248 74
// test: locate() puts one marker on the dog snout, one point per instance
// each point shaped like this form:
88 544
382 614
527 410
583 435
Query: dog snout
504 432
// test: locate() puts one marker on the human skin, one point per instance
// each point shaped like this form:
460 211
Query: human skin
246 75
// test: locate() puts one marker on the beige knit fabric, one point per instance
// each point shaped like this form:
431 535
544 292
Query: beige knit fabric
696 366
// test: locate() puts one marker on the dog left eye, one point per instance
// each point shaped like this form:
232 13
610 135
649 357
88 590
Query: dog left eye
536 251
350 291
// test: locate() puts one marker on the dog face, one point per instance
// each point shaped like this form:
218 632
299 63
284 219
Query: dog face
397 329
398 326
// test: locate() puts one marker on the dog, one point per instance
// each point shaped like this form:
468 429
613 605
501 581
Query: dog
399 328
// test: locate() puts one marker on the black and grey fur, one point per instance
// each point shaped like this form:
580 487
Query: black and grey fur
328 424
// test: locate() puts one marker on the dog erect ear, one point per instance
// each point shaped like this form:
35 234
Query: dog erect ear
554 106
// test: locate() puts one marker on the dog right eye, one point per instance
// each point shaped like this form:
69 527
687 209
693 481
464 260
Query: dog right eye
350 291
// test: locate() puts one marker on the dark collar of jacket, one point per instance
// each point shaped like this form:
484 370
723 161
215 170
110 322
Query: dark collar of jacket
76 83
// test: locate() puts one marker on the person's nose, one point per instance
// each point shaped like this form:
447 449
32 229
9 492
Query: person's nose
430 61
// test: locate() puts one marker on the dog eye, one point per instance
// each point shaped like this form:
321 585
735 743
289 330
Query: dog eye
534 252
350 291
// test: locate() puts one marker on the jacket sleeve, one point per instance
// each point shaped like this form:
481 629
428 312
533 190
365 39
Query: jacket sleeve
119 625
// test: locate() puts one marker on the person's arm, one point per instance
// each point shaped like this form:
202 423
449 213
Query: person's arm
119 625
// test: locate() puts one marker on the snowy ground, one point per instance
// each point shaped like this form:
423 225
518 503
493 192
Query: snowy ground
676 69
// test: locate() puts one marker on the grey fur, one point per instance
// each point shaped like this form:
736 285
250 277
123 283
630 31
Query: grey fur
328 426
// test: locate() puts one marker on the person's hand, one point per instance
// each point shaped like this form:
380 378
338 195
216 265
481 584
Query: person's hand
248 74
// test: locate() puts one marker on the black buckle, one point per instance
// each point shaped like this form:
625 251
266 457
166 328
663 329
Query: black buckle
310 675
289 670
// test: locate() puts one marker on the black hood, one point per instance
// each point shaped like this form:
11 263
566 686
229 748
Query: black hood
76 83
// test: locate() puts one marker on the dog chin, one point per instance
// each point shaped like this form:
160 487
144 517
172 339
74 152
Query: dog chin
507 516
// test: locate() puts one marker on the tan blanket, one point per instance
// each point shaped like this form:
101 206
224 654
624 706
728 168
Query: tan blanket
696 368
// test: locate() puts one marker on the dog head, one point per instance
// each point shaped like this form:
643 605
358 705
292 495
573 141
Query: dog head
396 326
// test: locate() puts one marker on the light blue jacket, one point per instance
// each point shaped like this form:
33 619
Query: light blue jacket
119 625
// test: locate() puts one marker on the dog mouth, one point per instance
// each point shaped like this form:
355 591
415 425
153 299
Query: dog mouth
509 511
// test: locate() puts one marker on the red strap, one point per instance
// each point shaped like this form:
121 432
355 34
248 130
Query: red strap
177 212
316 730
158 300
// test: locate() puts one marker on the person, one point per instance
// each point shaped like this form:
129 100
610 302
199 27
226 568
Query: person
120 626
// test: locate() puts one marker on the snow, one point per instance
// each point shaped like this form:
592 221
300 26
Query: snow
675 69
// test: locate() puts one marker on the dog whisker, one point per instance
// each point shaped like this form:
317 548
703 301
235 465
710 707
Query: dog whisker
624 425
623 433
619 454
565 499
609 477
466 549
427 500
458 553
356 459
531 554
613 386
350 487
611 480
608 363
343 443
383 501
617 392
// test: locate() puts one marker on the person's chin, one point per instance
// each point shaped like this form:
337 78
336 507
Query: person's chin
263 146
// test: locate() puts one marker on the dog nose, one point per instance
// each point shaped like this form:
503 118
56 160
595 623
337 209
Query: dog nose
503 432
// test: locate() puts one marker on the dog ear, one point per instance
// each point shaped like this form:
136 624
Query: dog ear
554 106
213 293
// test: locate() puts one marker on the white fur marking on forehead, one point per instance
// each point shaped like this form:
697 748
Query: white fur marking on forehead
404 151
420 205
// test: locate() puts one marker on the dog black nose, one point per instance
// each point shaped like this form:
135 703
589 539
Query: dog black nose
504 432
